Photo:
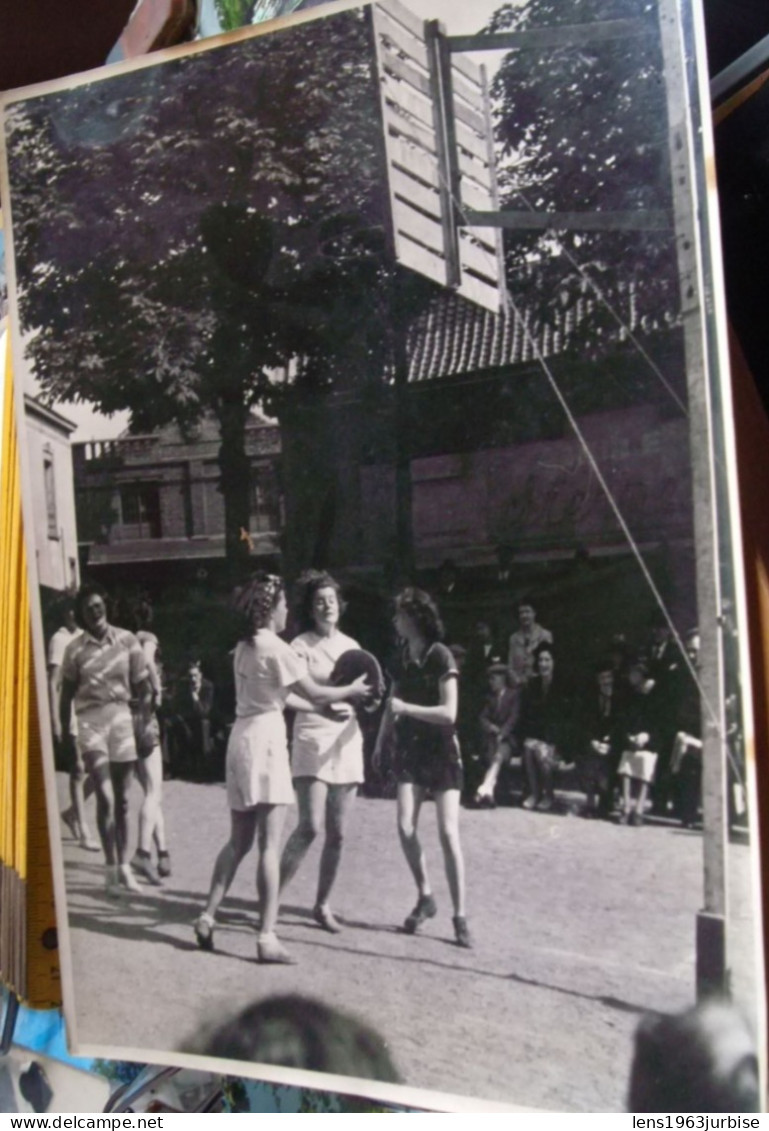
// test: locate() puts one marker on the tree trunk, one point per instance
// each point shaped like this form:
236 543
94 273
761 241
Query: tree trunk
235 486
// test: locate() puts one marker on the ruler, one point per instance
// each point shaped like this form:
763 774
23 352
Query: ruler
28 939
43 988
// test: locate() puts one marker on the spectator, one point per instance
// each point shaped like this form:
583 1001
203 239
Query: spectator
686 761
65 749
524 642
542 725
481 652
600 744
639 758
191 738
619 656
665 672
498 721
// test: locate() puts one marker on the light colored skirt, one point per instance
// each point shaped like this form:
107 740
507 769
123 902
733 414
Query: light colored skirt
638 764
258 771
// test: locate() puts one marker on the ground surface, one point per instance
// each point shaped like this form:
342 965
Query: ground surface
579 926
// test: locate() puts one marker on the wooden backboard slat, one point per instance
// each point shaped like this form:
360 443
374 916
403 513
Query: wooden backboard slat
426 199
425 174
405 40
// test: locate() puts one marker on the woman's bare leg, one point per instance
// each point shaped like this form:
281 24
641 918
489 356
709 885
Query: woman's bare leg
270 821
410 798
151 823
242 831
447 808
339 799
311 799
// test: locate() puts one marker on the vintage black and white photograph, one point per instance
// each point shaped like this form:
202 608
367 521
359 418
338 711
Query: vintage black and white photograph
378 496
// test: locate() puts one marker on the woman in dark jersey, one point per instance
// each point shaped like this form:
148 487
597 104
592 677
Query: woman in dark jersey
421 716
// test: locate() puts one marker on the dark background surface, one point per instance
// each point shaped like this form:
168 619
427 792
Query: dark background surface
45 39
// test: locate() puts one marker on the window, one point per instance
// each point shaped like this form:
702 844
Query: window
49 481
140 510
265 499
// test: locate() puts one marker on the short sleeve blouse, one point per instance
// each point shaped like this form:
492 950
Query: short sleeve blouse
420 684
324 747
266 668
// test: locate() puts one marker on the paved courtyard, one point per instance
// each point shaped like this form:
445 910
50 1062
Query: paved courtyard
579 926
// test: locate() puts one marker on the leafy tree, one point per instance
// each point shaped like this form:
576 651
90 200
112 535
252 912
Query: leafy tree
584 128
186 231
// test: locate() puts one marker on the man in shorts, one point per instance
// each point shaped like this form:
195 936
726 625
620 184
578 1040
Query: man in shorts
103 672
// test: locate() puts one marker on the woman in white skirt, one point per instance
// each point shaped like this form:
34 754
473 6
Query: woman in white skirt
259 785
327 745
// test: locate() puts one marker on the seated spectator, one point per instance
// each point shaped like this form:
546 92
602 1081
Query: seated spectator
481 652
498 721
619 655
191 737
600 741
524 642
542 725
639 740
686 761
703 1060
665 669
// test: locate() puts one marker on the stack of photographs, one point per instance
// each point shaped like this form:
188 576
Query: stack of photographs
375 356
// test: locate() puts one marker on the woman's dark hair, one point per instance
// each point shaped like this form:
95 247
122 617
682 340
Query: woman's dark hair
256 600
84 592
143 614
540 649
63 607
700 1060
423 611
307 586
297 1032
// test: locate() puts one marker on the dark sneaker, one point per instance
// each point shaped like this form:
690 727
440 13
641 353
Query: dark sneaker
425 909
164 865
636 820
462 932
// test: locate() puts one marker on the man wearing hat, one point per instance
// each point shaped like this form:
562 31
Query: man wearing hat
498 721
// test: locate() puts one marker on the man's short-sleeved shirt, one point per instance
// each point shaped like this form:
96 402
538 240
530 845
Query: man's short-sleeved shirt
104 671
59 643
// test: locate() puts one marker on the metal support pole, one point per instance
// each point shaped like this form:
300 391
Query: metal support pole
712 961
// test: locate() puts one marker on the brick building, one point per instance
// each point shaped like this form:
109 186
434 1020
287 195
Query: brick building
149 507
492 463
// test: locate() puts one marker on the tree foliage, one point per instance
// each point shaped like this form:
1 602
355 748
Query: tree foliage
184 231
584 128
